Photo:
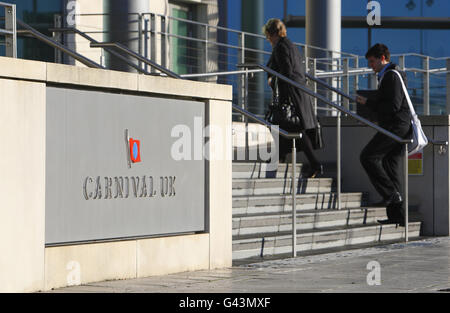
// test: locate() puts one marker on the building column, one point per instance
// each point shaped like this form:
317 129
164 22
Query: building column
252 21
323 25
323 29
123 27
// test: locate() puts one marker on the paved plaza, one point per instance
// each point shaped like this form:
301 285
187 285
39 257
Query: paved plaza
419 266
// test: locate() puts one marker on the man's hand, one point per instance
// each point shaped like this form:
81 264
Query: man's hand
361 100
269 81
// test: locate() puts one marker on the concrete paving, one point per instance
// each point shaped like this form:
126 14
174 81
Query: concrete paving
420 266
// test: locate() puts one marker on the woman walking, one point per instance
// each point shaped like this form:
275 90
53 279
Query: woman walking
286 60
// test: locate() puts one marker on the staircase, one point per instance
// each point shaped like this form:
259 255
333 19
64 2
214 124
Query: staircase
262 218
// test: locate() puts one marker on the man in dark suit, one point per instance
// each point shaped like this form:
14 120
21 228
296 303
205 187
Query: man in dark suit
382 156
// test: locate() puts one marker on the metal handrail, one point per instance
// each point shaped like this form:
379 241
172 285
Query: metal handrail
343 94
36 34
90 39
438 142
219 74
6 32
417 55
319 73
411 54
228 73
137 56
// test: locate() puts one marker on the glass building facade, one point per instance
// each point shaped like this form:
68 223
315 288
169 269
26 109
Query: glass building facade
429 42
40 15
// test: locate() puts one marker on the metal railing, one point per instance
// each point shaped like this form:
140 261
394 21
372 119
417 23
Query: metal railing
139 57
10 30
28 30
109 46
93 41
430 90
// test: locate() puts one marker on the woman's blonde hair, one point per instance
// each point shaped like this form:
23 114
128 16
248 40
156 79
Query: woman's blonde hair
274 26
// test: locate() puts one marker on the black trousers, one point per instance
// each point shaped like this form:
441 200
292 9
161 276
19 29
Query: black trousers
303 144
382 160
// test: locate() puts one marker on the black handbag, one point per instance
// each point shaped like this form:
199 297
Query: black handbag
285 115
282 114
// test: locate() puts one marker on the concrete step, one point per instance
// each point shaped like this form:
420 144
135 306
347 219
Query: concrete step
383 243
247 224
282 203
248 246
283 170
260 170
268 186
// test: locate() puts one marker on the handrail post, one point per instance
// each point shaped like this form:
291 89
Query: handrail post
245 107
153 40
140 35
163 42
11 26
346 82
294 194
146 40
303 51
426 86
356 77
312 67
448 85
241 80
338 160
57 36
401 62
405 201
206 47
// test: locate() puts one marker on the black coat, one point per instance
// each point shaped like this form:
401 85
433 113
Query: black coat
286 60
390 103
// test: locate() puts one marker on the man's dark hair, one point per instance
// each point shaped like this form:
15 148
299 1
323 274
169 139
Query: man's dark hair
379 50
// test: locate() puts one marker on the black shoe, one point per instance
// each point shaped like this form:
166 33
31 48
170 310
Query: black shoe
400 222
394 200
318 170
388 221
